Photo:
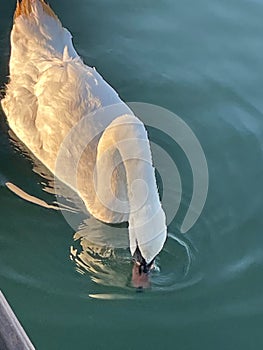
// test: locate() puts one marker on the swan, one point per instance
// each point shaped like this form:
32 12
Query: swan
52 92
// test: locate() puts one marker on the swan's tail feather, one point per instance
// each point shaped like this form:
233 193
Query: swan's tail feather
25 7
37 33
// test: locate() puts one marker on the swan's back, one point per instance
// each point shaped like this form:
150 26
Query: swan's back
50 88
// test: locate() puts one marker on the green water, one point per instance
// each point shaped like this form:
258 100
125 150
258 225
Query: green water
203 61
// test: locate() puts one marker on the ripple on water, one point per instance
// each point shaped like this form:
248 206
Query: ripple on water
111 267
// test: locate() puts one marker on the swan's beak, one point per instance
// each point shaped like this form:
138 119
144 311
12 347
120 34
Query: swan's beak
140 279
141 271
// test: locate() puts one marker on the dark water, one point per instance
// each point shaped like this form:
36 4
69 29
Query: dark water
203 61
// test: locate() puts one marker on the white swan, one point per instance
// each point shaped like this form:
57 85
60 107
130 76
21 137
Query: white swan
49 93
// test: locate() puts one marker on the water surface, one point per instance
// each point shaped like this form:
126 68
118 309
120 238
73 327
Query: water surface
203 61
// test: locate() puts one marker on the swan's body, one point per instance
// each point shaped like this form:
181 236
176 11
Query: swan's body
49 93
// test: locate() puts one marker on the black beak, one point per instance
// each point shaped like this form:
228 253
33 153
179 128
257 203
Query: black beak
140 272
143 266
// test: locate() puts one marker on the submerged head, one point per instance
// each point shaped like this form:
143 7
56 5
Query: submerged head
141 271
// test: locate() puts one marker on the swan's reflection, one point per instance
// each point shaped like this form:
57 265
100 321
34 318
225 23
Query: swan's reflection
103 253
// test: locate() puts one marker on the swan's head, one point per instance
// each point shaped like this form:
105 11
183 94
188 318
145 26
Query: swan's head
141 271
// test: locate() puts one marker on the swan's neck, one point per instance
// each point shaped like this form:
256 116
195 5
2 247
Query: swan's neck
125 141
